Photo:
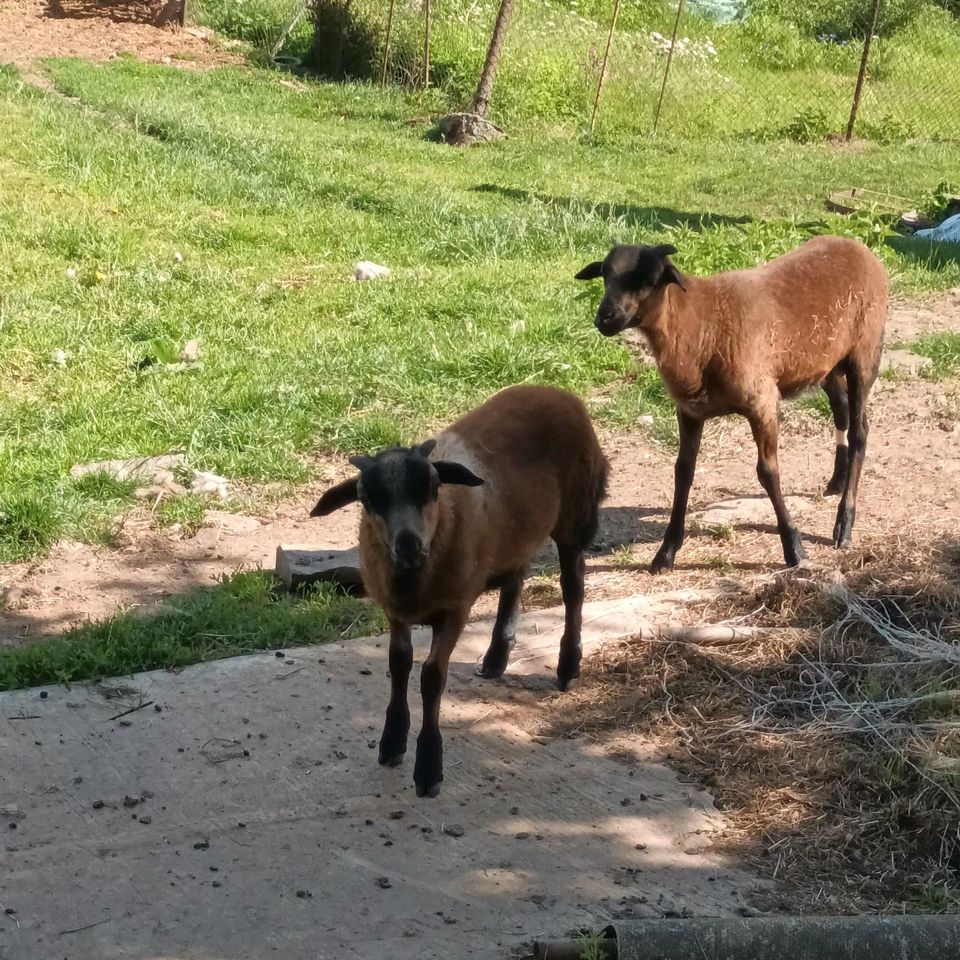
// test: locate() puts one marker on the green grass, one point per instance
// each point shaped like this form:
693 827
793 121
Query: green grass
943 349
169 205
241 615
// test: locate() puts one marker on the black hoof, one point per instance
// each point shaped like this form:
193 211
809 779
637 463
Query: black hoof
428 789
834 488
661 563
568 669
391 758
495 660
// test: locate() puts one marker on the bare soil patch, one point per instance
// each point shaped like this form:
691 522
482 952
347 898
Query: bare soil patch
31 30
910 486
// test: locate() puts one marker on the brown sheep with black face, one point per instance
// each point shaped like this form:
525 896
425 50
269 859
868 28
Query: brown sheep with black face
466 512
737 342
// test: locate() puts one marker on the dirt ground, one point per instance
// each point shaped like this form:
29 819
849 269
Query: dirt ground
911 483
34 29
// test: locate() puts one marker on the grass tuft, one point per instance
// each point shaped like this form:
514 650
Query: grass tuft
242 614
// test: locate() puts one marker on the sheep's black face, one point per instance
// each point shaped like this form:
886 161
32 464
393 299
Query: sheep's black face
631 276
398 489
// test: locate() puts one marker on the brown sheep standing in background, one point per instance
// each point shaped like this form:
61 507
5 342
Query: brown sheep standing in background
737 342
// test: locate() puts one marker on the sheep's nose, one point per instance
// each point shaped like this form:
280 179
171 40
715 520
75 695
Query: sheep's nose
606 324
409 552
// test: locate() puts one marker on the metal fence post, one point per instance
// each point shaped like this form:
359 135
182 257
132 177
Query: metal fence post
861 76
603 66
386 46
666 69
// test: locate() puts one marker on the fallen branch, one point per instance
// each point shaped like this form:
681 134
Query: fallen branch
706 635
123 713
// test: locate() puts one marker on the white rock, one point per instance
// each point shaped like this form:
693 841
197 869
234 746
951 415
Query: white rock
190 352
204 482
58 358
366 270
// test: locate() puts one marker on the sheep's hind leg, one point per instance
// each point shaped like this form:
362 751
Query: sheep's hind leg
691 431
393 740
857 387
836 393
572 568
495 660
768 473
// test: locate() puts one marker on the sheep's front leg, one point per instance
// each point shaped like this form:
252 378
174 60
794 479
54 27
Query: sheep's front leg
691 430
393 740
765 431
428 770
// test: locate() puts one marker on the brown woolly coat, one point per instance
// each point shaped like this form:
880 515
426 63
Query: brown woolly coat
543 472
729 339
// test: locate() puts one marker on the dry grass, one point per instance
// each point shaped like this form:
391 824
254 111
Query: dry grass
832 741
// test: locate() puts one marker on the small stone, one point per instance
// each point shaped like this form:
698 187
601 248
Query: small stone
129 801
146 821
453 829
364 672
384 883
98 804
202 845
625 802
279 654
368 822
372 744
304 895
514 811
214 869
44 694
12 825
639 846
522 835
11 810
397 814
157 708
216 883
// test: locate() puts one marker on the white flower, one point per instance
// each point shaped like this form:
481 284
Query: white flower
178 256
71 273
58 358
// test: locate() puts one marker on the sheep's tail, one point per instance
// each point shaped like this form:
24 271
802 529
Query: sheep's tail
597 494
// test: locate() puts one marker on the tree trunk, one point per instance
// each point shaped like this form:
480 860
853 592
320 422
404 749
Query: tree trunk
489 73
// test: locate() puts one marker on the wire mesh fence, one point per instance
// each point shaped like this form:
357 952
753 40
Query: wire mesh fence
690 68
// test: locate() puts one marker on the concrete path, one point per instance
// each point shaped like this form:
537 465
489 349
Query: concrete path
243 814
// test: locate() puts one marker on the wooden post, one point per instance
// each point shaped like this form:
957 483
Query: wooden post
426 44
666 69
861 76
488 74
386 46
603 66
183 13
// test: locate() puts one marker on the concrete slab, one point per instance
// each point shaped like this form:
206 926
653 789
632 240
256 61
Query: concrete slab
242 813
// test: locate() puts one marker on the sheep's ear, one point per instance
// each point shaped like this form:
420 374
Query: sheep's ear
591 271
672 275
336 497
665 250
451 472
425 448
